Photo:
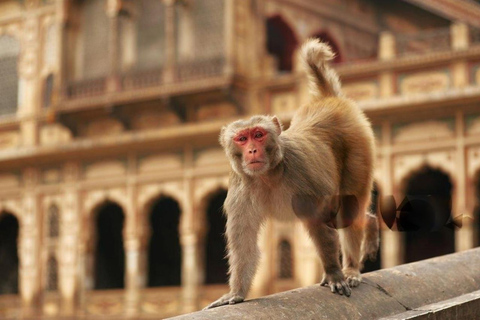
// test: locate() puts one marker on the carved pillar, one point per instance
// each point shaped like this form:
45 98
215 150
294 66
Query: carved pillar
169 73
463 236
132 248
69 240
391 244
29 81
308 267
386 52
29 245
113 8
190 241
59 83
229 26
459 37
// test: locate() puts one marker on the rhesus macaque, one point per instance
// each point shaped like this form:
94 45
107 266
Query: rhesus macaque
322 164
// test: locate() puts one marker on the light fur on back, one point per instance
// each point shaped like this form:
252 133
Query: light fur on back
323 81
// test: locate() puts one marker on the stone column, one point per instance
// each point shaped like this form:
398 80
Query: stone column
132 249
29 245
229 40
113 82
169 72
391 244
60 80
308 268
192 260
70 222
386 52
29 81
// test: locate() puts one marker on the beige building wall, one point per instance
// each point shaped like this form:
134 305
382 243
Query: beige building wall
133 137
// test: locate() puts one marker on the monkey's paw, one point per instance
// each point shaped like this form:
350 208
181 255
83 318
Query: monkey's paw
229 298
353 277
336 282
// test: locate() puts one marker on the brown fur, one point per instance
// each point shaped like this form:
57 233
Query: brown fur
328 150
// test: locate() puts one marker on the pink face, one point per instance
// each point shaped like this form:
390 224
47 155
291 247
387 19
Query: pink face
252 142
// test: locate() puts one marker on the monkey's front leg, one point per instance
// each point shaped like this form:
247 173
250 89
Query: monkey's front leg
327 242
243 255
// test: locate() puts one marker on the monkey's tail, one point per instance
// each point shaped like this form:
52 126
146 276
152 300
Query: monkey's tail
371 240
323 80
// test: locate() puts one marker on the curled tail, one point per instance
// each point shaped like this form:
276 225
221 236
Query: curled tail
371 240
323 80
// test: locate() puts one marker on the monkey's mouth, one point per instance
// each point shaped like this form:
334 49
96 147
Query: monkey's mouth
256 164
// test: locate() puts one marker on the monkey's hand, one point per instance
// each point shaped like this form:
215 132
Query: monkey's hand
336 282
229 298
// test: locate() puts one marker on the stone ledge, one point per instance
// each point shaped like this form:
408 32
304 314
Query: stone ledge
384 293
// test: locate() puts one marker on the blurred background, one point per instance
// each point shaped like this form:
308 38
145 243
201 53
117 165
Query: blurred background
111 177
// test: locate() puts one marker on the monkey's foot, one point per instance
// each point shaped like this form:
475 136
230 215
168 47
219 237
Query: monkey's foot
336 282
353 277
229 298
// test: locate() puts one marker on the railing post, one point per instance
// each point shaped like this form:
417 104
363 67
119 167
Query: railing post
169 73
386 50
113 8
459 36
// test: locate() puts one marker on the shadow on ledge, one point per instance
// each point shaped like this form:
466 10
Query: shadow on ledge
438 288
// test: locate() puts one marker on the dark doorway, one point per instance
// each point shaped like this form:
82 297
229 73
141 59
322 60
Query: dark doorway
109 253
285 259
377 264
8 254
216 261
281 42
164 252
325 37
429 242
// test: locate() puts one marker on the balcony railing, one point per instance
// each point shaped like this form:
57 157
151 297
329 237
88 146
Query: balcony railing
423 42
135 80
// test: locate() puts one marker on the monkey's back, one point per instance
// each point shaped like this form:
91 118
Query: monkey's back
336 125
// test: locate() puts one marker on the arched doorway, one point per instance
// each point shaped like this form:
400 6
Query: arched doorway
9 228
326 38
109 250
377 264
215 245
285 260
164 251
281 42
429 240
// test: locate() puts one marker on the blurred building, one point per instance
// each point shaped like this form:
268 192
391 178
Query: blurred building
111 176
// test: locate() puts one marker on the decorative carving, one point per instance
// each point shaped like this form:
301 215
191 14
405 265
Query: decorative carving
160 162
216 111
428 130
425 82
52 134
214 156
102 127
105 169
154 120
361 91
9 139
284 102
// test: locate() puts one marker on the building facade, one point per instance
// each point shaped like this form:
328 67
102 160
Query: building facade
111 176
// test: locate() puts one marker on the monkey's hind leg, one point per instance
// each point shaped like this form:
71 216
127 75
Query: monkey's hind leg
328 246
354 209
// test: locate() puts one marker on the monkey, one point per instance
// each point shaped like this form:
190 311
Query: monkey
322 163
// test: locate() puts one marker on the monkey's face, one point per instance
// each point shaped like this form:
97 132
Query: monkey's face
253 146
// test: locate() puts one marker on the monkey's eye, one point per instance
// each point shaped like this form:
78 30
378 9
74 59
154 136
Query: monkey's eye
242 139
258 135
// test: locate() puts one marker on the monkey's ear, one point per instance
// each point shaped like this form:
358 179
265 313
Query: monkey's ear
277 124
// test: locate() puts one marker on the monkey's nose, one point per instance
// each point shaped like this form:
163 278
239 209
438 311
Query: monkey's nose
252 151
